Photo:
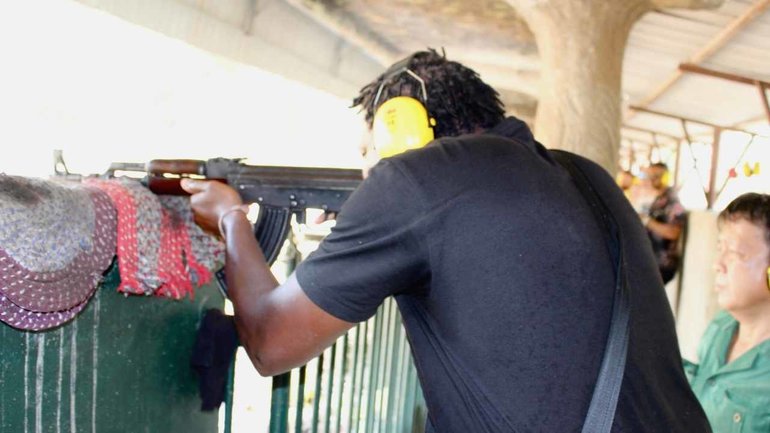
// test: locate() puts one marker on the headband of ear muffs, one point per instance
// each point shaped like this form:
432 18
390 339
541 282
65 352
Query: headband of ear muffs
401 123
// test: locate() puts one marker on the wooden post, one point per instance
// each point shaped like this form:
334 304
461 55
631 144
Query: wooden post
763 95
712 195
676 163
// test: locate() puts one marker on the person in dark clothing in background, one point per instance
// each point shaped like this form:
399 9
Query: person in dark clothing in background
498 266
664 218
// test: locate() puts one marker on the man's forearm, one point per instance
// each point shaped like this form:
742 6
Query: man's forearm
249 280
666 231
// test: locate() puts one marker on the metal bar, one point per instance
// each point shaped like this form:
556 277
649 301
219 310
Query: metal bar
650 131
384 363
330 388
403 372
750 121
394 368
419 401
360 402
374 371
655 144
674 116
279 406
763 95
300 400
694 161
229 396
637 140
381 365
676 163
249 17
317 395
712 195
695 69
388 367
410 397
761 85
354 377
343 367
649 154
717 42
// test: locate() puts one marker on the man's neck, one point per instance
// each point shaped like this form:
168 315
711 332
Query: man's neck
753 329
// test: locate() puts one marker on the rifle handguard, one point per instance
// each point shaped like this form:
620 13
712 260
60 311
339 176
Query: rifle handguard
177 166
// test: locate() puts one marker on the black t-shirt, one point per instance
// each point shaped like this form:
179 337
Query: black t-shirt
504 283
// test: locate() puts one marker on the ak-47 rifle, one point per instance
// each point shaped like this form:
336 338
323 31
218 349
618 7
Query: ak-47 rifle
280 191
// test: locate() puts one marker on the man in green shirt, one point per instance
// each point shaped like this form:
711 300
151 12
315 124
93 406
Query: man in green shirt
732 380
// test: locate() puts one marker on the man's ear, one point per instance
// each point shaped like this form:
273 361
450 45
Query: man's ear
368 153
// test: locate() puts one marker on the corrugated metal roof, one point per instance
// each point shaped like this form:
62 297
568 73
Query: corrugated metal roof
490 36
663 39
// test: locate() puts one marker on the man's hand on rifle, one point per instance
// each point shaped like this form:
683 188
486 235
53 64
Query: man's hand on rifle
326 216
210 200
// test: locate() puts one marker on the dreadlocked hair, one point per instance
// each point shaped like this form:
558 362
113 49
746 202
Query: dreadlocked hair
457 98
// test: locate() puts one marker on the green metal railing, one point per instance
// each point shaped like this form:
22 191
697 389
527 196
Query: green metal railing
365 382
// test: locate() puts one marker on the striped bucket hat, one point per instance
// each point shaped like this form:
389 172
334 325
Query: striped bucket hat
56 240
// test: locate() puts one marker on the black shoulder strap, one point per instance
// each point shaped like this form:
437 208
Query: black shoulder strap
604 402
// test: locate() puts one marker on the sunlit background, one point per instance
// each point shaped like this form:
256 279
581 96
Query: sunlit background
102 90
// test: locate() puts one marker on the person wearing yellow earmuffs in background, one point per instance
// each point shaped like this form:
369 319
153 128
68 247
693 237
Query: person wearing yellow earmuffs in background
732 377
499 266
626 181
662 215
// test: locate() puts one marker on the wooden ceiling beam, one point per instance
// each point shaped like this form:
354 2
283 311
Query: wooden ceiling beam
652 132
690 120
716 43
759 84
695 69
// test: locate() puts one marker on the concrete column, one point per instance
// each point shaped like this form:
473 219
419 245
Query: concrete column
581 44
697 303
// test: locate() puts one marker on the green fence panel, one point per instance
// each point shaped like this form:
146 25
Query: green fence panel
123 365
366 382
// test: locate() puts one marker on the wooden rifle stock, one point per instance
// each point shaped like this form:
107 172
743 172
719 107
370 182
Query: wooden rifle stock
280 191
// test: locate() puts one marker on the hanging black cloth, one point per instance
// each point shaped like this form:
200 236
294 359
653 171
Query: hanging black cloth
213 352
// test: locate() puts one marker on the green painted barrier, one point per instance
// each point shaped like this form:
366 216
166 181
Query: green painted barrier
366 382
123 365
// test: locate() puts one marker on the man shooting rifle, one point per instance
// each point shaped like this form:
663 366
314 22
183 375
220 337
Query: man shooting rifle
499 266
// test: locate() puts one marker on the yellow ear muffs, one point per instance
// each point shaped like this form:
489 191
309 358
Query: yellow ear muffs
665 180
400 124
768 278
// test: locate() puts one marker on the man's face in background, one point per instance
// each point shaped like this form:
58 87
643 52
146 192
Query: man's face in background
654 177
